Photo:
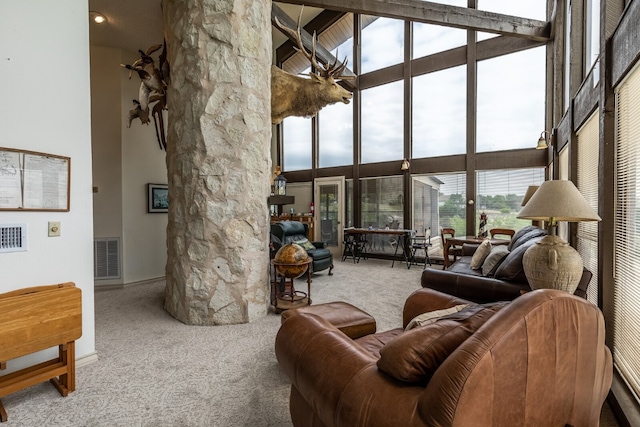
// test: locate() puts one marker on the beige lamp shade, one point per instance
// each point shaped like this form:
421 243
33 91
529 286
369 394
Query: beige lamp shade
558 200
532 189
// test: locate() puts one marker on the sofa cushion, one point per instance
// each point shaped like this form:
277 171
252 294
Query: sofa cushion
415 355
511 268
480 254
494 259
461 266
373 343
524 235
319 253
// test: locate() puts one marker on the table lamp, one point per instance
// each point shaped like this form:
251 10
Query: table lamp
551 262
530 192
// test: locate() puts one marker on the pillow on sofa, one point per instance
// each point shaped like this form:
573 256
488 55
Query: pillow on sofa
524 235
480 254
494 259
305 243
415 355
431 316
511 268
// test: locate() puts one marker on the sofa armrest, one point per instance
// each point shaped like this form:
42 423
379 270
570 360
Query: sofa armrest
339 380
304 344
424 300
320 245
478 289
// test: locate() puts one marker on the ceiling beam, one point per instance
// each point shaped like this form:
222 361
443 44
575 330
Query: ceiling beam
440 14
322 54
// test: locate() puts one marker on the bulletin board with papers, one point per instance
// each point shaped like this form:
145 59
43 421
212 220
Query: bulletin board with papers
32 181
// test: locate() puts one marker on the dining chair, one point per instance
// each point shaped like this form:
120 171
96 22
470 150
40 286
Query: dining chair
501 232
455 251
420 243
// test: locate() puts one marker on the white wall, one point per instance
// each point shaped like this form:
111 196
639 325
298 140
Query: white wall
45 107
145 234
106 119
125 161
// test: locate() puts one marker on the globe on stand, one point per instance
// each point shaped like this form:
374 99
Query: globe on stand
291 260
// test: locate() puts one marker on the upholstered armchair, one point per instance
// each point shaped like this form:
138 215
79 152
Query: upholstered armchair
298 232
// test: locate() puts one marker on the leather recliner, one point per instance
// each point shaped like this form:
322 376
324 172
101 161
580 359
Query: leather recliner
540 360
298 232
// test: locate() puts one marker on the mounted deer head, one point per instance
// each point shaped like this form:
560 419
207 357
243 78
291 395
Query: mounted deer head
296 96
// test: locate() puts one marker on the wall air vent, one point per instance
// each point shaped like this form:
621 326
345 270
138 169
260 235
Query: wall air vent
106 258
13 237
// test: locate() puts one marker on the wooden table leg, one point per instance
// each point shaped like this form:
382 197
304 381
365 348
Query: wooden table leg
3 414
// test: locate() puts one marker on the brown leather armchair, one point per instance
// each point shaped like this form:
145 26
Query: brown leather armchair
537 361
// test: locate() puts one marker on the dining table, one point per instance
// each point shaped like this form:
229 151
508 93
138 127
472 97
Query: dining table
460 240
403 241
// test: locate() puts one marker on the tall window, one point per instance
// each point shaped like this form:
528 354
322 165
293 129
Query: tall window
593 33
336 135
587 235
348 211
297 143
567 57
382 202
563 173
626 319
429 39
511 91
382 123
382 44
499 195
439 113
426 209
452 201
335 147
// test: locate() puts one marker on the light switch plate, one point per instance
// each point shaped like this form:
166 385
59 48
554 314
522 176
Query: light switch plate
54 228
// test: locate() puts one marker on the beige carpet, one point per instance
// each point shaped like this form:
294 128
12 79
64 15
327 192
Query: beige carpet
155 371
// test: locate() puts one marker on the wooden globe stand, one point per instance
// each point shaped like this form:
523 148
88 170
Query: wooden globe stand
289 297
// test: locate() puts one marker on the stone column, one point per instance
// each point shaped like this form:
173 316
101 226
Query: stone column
218 159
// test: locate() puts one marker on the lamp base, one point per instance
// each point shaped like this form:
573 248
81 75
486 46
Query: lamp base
552 264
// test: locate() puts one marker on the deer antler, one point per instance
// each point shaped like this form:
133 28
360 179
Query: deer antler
328 70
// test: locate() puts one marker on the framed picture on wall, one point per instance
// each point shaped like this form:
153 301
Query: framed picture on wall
157 198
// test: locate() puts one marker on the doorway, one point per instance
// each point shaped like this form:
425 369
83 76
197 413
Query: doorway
329 212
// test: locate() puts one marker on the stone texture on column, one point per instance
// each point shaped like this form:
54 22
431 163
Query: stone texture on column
218 159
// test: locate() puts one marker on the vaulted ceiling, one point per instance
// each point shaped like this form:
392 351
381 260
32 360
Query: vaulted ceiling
133 25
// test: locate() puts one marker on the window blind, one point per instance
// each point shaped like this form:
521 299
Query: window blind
626 292
588 151
563 173
499 195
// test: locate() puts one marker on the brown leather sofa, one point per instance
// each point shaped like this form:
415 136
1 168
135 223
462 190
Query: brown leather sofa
537 361
504 283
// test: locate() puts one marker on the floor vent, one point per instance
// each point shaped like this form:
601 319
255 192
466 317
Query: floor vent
106 262
13 237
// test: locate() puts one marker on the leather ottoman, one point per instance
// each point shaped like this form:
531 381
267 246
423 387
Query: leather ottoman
352 321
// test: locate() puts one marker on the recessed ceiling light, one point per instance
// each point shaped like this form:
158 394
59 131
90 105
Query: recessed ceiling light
97 17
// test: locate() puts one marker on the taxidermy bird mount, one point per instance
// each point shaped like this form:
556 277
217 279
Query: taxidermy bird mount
153 89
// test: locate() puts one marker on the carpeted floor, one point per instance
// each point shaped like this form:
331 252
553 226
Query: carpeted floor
155 371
